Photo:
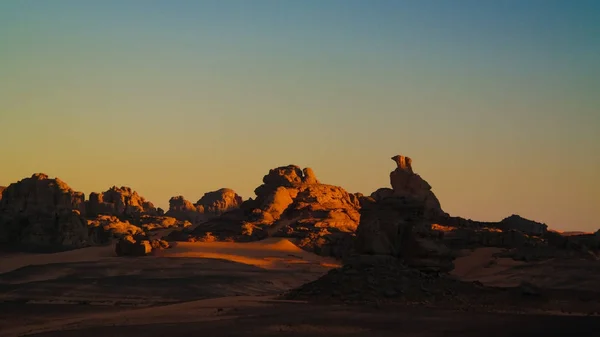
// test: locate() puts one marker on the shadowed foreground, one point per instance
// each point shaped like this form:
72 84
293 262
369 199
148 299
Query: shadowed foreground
294 319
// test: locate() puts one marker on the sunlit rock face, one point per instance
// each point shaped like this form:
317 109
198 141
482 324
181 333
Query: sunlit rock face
291 203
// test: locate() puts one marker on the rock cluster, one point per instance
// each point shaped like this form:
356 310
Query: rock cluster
122 202
292 203
45 214
130 245
42 214
211 205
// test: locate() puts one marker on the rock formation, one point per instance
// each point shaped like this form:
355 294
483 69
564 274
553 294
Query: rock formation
2 188
405 182
211 205
138 246
218 202
523 225
122 202
43 214
291 202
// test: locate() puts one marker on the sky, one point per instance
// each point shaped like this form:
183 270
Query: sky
496 102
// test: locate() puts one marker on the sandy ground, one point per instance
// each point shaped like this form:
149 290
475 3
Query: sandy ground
256 316
566 274
229 289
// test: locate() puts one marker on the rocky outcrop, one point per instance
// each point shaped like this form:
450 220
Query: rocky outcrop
182 209
386 226
138 246
151 223
122 202
2 188
107 227
130 246
211 205
406 183
218 202
41 213
530 227
292 203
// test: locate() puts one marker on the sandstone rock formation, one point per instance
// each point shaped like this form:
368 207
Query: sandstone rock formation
122 202
150 223
291 202
138 246
211 205
42 213
218 202
104 228
130 246
405 182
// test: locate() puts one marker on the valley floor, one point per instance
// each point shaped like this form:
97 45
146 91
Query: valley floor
230 289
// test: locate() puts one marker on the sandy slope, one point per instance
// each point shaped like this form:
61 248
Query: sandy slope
273 253
572 274
189 271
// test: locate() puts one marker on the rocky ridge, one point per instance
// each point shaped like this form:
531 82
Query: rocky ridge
211 205
292 203
44 214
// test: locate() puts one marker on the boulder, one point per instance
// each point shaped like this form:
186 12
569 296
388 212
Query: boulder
130 246
41 213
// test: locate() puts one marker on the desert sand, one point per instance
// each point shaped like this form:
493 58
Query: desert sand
229 289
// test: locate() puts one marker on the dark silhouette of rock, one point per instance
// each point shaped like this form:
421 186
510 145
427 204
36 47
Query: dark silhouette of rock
42 214
130 246
407 183
523 225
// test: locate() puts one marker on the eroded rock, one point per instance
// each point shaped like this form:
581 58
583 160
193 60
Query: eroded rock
211 205
41 213
292 203
122 202
409 184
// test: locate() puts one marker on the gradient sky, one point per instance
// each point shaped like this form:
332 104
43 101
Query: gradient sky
497 102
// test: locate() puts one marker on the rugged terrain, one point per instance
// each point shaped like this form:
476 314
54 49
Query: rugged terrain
301 258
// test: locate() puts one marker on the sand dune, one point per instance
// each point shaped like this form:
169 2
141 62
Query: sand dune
272 253
9 262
